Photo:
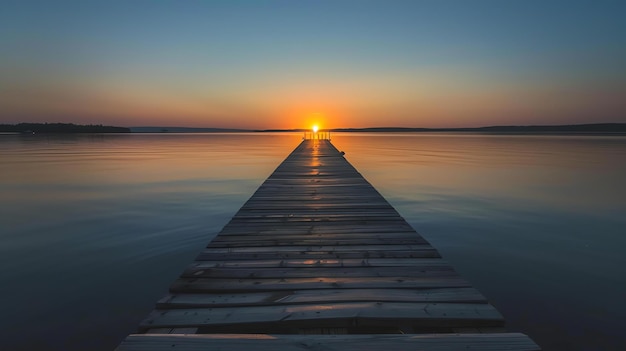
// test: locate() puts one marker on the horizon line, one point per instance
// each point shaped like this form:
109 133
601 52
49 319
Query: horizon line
590 127
391 127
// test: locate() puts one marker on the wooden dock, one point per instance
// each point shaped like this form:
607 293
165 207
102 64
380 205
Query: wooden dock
318 259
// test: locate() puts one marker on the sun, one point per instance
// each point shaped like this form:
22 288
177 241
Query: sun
316 121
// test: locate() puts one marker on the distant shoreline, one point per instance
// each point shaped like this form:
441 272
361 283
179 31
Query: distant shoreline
69 128
573 128
59 128
596 128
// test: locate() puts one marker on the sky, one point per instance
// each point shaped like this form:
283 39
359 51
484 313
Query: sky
291 64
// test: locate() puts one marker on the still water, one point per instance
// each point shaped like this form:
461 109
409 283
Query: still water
94 228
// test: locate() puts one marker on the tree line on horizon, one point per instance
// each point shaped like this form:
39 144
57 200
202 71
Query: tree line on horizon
562 128
29 128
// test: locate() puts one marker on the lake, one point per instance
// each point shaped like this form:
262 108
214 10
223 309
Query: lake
94 228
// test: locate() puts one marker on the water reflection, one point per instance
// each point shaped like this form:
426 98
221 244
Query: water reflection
535 222
577 173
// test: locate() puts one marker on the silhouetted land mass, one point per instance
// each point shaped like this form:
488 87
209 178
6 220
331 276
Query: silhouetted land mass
38 128
185 130
599 128
283 130
573 128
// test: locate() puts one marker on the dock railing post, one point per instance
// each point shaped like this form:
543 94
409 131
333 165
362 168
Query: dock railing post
316 135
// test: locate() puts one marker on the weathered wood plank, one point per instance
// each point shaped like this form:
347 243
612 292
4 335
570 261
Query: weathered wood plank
262 342
323 248
313 203
338 253
317 228
345 220
449 295
315 199
253 241
409 263
302 207
304 234
212 285
292 213
313 233
313 272
336 314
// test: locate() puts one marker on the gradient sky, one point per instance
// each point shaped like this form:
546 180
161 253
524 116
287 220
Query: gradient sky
288 64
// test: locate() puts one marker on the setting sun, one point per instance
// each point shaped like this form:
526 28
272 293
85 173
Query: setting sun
315 128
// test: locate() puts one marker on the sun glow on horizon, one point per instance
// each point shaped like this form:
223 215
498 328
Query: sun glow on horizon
313 120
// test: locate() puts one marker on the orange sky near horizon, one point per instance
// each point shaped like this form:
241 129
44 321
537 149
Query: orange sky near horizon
329 105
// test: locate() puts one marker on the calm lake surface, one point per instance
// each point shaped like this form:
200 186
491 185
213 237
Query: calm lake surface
94 228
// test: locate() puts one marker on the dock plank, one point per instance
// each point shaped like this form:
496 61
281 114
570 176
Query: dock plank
428 252
312 272
306 240
338 314
409 263
276 284
324 248
450 295
256 342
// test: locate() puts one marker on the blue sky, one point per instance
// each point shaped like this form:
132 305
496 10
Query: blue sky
286 64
